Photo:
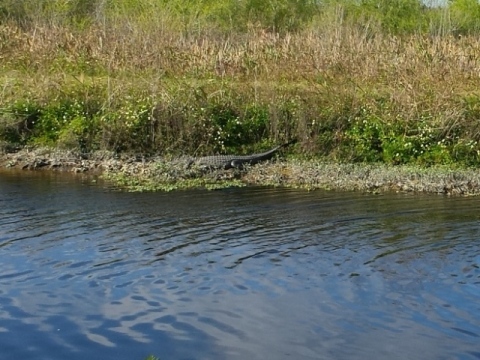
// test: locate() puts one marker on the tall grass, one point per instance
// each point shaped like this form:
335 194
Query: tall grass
352 80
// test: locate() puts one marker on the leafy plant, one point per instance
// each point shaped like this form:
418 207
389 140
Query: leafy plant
18 120
130 125
395 16
364 137
465 15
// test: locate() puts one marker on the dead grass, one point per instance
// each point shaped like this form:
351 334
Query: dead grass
329 74
343 57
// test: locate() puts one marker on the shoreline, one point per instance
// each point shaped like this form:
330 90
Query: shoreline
138 173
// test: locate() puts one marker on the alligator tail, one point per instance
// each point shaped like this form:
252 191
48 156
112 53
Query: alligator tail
291 142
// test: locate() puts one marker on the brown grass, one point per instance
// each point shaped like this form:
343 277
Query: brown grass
318 60
339 69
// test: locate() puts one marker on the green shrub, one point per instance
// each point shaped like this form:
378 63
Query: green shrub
465 16
80 133
233 129
393 16
69 12
18 121
364 137
130 125
68 121
466 152
369 139
278 15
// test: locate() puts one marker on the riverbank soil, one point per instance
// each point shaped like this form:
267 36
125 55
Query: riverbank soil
138 173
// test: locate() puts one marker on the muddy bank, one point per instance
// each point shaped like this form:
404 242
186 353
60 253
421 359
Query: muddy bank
64 160
138 173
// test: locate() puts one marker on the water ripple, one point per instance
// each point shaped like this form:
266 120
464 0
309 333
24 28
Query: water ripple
244 273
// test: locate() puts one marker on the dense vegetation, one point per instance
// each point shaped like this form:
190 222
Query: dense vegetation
354 80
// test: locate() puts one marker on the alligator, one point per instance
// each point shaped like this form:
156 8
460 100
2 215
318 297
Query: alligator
235 161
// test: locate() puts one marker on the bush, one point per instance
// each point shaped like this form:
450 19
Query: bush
129 126
393 16
465 16
18 120
278 15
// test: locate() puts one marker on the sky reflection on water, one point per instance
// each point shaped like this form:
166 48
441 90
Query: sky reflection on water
242 273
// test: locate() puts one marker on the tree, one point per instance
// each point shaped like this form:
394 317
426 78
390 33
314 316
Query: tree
465 16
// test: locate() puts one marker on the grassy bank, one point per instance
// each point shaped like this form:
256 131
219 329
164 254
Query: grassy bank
307 175
352 81
157 173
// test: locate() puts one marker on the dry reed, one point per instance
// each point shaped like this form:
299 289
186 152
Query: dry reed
408 79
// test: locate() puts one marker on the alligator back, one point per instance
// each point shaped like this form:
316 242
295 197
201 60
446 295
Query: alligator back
235 161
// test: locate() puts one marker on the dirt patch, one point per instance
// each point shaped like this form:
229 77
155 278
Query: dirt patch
64 160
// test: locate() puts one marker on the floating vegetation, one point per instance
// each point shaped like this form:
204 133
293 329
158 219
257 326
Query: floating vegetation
163 175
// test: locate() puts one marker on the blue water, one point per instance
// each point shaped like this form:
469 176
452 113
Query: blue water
88 272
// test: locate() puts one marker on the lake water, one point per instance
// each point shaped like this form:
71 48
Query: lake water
88 272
